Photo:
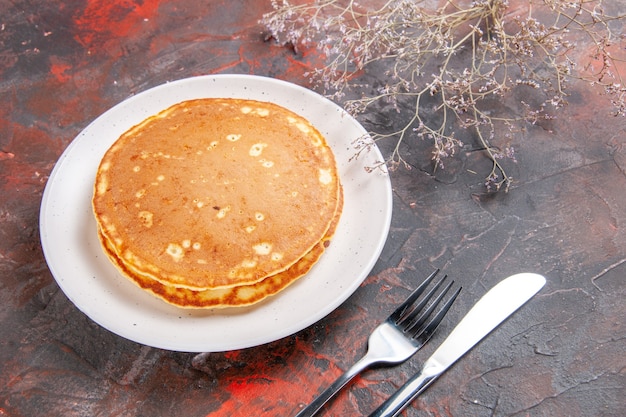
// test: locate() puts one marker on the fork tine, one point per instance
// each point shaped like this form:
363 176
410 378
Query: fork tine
402 308
412 321
422 336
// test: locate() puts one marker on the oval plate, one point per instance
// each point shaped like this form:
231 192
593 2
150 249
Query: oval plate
93 284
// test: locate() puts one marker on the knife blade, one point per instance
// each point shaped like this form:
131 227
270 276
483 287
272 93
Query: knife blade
491 310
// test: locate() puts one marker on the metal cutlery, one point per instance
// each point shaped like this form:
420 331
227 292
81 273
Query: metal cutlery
491 310
404 332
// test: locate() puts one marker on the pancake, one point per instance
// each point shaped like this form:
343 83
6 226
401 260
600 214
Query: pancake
239 296
216 193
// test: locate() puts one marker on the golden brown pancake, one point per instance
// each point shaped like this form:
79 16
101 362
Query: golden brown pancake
216 193
239 296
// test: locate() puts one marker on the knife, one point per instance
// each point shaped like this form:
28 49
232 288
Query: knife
491 310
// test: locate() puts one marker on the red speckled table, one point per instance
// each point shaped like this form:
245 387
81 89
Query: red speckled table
564 354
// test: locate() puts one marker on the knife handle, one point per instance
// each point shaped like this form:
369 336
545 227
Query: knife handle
408 392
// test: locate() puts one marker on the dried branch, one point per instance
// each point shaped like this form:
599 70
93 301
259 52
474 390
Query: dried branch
462 55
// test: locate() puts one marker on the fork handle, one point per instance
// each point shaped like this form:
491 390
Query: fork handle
312 409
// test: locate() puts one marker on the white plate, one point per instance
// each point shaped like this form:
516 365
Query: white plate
73 253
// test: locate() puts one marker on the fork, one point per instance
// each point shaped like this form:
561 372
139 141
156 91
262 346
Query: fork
395 340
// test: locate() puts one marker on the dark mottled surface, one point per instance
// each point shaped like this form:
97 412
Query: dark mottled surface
563 354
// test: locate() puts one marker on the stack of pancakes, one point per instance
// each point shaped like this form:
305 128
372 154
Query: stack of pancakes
217 202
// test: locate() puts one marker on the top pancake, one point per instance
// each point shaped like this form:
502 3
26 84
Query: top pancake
216 193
